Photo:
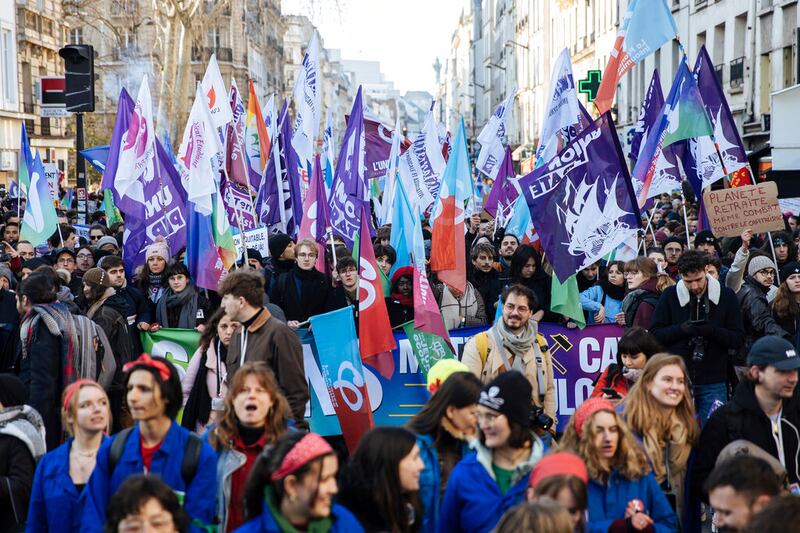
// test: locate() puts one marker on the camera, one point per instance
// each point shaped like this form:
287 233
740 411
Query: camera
540 420
5 258
698 349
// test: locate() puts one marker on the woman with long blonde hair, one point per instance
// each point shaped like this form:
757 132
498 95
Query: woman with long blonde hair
622 491
660 410
256 414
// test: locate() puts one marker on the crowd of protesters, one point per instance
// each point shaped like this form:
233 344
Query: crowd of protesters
696 423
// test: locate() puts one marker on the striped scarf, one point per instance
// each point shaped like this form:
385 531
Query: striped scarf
60 323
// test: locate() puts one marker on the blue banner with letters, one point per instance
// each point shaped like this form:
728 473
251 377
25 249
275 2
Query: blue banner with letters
579 356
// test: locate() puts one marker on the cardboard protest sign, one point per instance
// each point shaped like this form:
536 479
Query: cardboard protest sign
754 207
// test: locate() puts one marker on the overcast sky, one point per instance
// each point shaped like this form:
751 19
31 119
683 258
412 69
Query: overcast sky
406 36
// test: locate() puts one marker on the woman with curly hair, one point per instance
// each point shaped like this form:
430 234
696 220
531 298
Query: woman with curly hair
660 411
255 415
623 493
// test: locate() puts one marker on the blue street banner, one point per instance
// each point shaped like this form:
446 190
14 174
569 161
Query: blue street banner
579 356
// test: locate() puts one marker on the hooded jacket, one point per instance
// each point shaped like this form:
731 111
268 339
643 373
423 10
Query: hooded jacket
473 501
21 445
167 461
756 317
742 418
722 331
343 522
56 505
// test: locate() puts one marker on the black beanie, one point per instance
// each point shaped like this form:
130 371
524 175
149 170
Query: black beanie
277 244
12 391
509 394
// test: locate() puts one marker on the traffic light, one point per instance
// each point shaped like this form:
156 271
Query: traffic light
79 63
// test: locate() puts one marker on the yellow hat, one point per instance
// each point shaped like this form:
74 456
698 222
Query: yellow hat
442 370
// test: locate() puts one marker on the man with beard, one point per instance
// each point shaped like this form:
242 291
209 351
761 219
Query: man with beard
508 245
738 488
513 343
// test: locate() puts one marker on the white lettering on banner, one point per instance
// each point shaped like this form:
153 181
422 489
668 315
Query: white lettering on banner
608 354
352 387
408 363
317 383
565 406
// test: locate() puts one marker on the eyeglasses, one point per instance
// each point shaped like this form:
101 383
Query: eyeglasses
84 256
349 270
511 307
767 273
65 261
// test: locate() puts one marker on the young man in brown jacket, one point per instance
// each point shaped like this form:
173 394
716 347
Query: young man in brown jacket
264 338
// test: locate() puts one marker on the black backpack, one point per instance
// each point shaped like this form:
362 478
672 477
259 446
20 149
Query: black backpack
648 297
191 454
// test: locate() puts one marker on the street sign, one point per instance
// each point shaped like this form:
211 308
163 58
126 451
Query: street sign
51 97
590 85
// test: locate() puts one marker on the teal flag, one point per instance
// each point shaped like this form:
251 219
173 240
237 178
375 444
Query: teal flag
565 299
174 344
429 349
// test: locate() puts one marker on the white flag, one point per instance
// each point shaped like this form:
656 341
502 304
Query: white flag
421 166
137 154
217 95
385 215
197 152
308 99
563 111
491 138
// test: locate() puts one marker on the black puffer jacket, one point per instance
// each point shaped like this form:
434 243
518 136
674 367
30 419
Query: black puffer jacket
742 418
756 317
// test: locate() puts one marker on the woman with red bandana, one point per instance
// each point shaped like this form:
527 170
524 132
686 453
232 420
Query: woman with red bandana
292 486
156 444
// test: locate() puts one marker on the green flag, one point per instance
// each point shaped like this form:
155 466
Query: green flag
429 349
176 345
566 300
112 213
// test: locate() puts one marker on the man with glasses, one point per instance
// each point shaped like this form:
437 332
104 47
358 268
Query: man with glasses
66 259
756 313
84 259
514 343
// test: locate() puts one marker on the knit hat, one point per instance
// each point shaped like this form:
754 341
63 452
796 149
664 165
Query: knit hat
672 239
278 243
558 464
12 391
252 253
789 269
158 249
96 277
442 370
660 236
705 237
509 394
107 240
758 263
585 411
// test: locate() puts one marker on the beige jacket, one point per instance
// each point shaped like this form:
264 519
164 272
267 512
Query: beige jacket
494 366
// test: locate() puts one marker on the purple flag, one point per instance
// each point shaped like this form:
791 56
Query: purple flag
504 193
349 189
125 106
378 145
165 214
270 191
591 208
700 163
651 107
237 204
294 202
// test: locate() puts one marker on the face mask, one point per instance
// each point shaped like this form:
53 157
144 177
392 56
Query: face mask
632 374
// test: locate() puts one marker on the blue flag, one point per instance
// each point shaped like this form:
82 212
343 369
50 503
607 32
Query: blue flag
401 237
97 156
591 207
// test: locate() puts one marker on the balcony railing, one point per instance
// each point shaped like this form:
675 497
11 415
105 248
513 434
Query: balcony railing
204 53
737 72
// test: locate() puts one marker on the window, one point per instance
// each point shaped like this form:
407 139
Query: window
8 67
76 36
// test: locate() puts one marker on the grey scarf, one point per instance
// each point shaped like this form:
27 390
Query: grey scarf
186 300
516 344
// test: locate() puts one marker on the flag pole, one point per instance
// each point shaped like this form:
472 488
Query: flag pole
685 220
644 230
333 250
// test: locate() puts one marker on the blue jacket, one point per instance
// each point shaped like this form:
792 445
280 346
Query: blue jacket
55 503
473 501
167 461
592 299
430 480
343 522
607 502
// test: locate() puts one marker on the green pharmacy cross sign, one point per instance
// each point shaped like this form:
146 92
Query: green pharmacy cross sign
590 84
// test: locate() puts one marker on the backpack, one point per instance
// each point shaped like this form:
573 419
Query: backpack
648 297
482 344
191 454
